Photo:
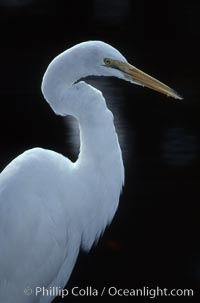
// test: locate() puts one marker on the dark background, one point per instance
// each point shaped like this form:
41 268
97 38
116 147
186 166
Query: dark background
154 238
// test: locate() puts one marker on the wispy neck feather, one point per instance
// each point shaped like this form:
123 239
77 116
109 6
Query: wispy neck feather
100 155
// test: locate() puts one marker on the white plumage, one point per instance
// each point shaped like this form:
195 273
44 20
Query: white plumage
51 207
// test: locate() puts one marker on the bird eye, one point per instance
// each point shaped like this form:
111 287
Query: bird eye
107 61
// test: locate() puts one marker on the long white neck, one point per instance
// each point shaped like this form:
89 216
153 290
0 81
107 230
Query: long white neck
100 155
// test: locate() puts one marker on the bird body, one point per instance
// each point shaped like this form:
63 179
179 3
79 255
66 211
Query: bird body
51 207
40 240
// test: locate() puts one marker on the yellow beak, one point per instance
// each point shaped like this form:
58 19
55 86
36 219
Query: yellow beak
137 76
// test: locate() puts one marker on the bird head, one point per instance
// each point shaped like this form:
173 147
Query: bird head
91 58
110 62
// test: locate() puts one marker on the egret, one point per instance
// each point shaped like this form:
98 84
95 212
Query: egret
51 207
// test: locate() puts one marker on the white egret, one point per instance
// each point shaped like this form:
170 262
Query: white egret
50 207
